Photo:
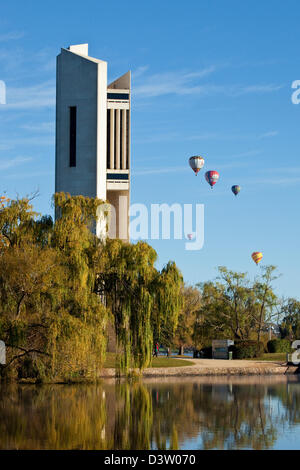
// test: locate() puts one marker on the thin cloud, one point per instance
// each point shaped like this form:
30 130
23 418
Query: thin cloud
187 83
139 71
279 181
244 90
249 153
42 140
179 83
4 165
37 96
278 176
34 174
157 171
47 127
268 134
186 168
176 136
11 36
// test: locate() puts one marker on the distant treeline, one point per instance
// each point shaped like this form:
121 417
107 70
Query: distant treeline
62 288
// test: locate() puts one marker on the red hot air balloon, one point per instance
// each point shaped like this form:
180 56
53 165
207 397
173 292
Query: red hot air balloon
212 177
196 163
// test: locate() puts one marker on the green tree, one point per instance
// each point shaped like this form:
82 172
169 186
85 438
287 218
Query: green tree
50 318
226 305
290 324
265 299
168 304
60 285
187 317
234 307
144 302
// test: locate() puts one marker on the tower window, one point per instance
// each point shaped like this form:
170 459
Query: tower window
127 138
73 116
115 133
118 96
108 140
121 139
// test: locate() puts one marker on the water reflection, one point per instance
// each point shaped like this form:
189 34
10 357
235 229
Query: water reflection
231 413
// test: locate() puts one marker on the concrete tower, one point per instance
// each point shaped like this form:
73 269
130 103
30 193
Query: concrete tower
93 135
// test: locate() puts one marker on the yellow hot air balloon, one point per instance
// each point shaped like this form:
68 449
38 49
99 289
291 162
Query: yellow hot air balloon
257 256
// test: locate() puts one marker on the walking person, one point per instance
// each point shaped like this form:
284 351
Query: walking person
156 350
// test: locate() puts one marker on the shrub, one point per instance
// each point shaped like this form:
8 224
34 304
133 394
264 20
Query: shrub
279 346
246 349
207 352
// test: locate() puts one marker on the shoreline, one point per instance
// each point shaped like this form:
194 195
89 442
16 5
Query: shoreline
198 368
215 367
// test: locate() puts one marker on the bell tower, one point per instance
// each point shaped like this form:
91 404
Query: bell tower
93 135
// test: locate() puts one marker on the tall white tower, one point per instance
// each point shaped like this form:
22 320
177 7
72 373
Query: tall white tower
93 134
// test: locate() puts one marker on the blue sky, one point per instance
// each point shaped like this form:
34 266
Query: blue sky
210 78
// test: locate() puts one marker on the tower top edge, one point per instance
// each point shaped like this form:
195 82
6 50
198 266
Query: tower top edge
81 52
82 49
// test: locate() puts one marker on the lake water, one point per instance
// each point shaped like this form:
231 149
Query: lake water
189 413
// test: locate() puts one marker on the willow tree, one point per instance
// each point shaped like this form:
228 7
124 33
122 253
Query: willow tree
51 275
144 302
124 275
187 317
50 317
79 333
168 304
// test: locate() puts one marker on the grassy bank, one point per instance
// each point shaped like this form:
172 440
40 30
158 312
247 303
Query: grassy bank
160 361
280 357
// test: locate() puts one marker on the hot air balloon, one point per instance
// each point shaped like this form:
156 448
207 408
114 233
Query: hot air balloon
212 177
257 256
235 189
196 163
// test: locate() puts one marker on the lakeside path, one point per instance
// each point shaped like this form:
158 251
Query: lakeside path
216 367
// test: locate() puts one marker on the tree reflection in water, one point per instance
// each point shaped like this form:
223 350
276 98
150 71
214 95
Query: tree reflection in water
149 415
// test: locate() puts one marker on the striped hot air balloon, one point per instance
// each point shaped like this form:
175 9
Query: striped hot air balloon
196 163
212 177
235 189
257 256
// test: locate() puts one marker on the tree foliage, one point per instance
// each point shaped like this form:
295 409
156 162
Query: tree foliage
234 307
186 320
290 325
60 285
144 302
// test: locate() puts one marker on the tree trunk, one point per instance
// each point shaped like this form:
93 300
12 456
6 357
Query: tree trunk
181 351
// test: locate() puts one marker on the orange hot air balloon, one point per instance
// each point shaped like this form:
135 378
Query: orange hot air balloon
257 256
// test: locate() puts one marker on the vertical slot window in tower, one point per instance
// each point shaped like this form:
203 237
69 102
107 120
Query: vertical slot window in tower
127 138
73 118
108 140
115 134
121 140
